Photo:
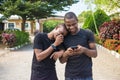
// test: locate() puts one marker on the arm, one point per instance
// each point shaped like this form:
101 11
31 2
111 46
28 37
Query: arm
40 54
64 58
56 55
66 54
92 52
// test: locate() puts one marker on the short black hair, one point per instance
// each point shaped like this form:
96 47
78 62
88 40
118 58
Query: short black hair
61 24
70 15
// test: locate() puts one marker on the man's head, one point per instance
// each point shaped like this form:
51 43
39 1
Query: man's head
60 29
71 22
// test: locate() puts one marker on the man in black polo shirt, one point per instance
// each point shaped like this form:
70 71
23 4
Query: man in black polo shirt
79 63
47 48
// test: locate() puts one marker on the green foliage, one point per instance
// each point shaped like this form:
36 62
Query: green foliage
84 15
50 25
21 37
107 4
33 9
2 18
97 39
100 17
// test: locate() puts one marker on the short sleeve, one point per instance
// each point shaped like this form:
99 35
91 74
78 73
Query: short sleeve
38 44
90 35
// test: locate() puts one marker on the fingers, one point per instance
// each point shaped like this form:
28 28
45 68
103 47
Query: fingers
59 39
52 56
79 47
55 56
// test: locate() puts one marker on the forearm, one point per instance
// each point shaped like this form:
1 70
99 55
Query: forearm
90 52
41 55
64 58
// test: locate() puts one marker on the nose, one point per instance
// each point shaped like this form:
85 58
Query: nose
71 27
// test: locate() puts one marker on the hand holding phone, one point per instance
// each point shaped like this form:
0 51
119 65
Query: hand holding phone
74 47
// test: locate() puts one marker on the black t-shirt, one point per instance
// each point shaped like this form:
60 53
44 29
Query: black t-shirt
42 70
79 66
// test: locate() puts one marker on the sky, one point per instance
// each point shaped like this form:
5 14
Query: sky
76 8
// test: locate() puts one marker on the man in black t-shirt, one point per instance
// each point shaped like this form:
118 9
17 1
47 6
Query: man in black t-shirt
47 49
80 47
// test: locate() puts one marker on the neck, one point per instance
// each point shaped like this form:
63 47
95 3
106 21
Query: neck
76 31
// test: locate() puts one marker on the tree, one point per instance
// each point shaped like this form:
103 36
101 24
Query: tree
99 16
85 14
93 16
32 9
107 4
49 9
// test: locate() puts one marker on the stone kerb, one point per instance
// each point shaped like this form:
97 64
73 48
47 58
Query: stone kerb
16 47
114 53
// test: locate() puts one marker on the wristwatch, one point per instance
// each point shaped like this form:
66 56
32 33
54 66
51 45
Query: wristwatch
54 47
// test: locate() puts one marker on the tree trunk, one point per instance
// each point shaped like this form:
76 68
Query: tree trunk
23 24
40 26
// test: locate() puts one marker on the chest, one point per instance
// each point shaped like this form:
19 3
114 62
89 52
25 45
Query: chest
46 42
76 40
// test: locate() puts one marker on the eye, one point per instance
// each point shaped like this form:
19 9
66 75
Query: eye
57 34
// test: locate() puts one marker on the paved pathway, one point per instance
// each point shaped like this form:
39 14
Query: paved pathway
17 64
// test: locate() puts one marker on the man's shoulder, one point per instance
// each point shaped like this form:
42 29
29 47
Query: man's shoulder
87 31
40 34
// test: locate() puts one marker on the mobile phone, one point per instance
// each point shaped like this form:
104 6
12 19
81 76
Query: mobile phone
74 47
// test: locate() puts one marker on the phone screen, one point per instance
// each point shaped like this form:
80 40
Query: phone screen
74 47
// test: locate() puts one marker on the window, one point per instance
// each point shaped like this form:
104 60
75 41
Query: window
11 25
26 25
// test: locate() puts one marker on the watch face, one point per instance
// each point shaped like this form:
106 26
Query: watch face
54 47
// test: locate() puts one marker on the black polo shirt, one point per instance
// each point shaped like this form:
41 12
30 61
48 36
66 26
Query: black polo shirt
45 69
79 66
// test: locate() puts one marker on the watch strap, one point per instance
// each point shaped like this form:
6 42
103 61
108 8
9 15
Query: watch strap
53 46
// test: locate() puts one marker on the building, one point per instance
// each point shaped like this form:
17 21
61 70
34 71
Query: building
15 22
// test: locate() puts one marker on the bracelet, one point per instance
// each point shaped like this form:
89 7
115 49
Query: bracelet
54 47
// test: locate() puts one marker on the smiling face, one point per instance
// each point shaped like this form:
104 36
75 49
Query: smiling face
71 22
71 25
60 30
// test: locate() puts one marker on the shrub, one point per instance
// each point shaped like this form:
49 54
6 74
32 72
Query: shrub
111 44
110 30
8 39
100 17
22 37
118 48
13 38
50 25
97 39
